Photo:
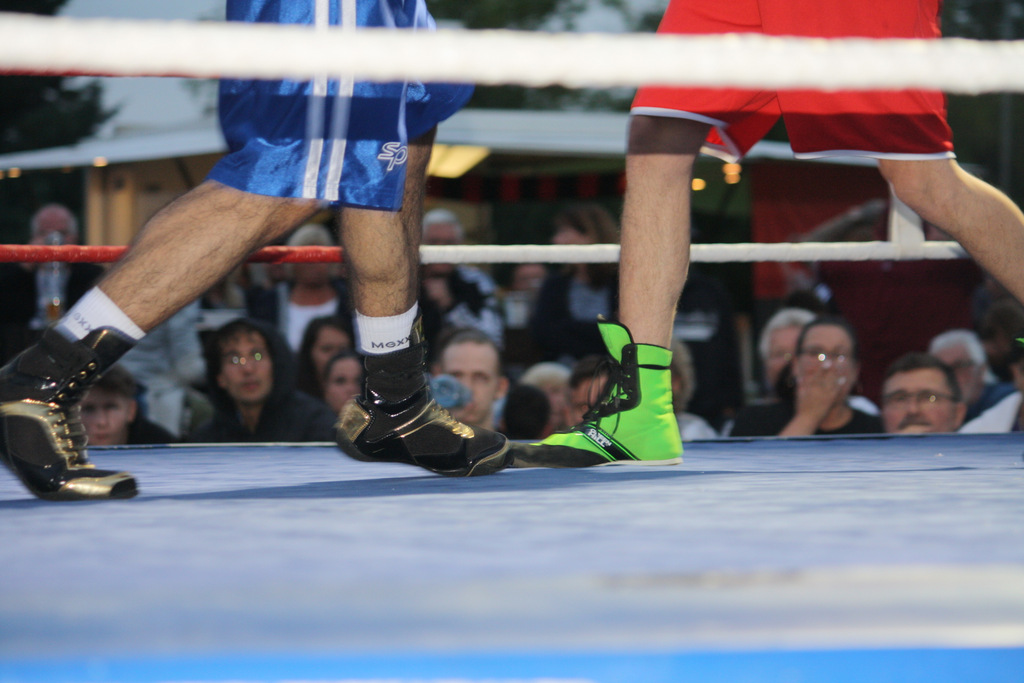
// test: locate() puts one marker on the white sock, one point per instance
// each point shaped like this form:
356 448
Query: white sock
96 310
377 336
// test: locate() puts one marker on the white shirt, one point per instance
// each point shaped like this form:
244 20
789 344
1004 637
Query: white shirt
299 317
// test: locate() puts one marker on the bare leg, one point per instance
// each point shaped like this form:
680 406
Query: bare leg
180 253
654 260
656 224
984 220
396 419
191 244
382 247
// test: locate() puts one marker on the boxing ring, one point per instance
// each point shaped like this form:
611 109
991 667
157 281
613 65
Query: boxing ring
883 559
782 560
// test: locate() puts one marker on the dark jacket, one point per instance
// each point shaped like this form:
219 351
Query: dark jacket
19 299
705 321
771 418
554 329
144 432
288 415
20 296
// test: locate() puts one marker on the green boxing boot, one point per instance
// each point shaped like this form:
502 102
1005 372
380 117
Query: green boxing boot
633 422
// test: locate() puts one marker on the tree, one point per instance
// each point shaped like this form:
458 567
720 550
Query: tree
38 112
532 15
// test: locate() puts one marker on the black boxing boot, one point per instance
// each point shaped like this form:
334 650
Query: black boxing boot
397 420
42 440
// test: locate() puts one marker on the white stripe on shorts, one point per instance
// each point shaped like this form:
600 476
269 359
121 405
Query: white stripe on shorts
342 110
315 111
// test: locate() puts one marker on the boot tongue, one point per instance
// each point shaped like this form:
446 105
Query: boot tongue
615 336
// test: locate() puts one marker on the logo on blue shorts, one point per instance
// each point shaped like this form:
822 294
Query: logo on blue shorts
395 153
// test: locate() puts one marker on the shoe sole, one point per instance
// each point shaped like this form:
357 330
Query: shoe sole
119 486
643 463
526 455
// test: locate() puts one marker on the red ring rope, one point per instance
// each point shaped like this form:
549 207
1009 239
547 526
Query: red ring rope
73 253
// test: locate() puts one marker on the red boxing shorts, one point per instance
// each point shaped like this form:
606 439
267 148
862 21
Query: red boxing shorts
885 124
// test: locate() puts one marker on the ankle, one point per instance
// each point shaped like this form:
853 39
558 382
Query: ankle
398 375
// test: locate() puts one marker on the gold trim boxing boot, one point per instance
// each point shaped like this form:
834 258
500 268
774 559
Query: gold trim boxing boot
397 420
42 440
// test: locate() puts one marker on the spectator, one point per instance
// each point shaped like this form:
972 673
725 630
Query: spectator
167 363
526 415
586 384
564 322
251 374
36 294
1008 414
518 301
962 350
920 395
520 297
898 306
684 383
553 379
111 416
705 321
456 296
311 290
777 345
825 372
528 278
324 338
343 379
998 330
471 356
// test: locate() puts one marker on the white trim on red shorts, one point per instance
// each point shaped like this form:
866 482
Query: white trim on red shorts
729 152
894 156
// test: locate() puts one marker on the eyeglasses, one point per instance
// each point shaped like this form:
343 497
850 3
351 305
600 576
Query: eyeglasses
243 360
825 356
903 399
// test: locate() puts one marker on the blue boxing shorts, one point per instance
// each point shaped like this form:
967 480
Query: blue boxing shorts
338 141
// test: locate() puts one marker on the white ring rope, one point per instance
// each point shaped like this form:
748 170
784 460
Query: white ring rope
701 253
35 44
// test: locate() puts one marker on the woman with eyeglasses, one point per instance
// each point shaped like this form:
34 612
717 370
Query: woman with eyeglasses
824 372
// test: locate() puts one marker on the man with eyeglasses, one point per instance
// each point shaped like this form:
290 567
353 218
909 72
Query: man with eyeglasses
251 371
825 373
920 395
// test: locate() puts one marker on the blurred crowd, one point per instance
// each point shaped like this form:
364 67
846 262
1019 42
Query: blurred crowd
270 353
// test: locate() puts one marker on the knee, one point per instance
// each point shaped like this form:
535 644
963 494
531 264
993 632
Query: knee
665 135
918 184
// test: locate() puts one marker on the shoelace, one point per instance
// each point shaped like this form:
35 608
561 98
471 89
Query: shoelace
69 420
608 403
